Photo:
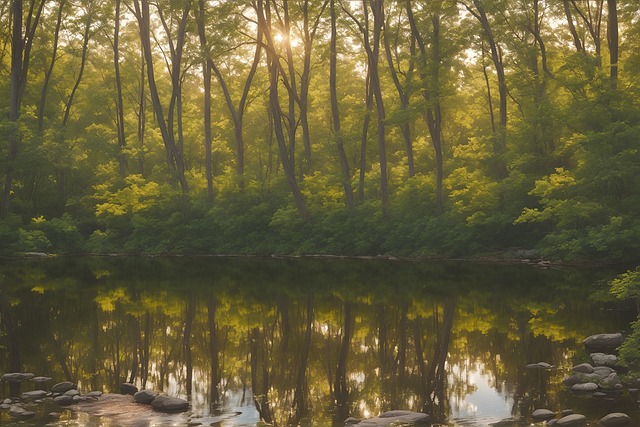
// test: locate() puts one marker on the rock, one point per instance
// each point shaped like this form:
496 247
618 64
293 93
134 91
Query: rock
611 382
604 341
615 419
145 396
63 400
393 418
584 387
94 394
63 387
54 415
539 365
351 421
20 413
572 380
543 414
601 359
72 392
41 379
16 377
169 404
7 401
552 423
583 368
4 406
572 420
128 388
32 395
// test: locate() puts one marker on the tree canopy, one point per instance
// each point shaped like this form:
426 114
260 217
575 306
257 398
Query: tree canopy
414 127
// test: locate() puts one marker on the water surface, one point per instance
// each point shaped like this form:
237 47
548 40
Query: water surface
309 341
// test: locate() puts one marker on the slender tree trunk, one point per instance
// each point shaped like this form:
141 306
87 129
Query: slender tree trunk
49 70
142 113
299 398
83 62
612 39
174 159
335 113
572 28
122 160
365 136
340 388
190 315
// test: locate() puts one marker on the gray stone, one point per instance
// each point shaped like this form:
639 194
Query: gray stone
16 377
20 413
603 371
611 382
63 387
584 387
572 380
601 359
604 341
583 368
145 396
72 392
128 388
572 420
552 423
5 406
32 395
7 401
41 379
169 404
63 400
566 412
540 365
507 422
615 419
543 414
94 394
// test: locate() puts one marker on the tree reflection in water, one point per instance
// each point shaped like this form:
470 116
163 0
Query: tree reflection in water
309 342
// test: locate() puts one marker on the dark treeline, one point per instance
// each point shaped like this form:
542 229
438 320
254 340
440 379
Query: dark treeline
411 127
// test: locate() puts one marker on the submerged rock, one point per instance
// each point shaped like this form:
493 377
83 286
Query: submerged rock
169 404
543 414
404 418
615 419
572 420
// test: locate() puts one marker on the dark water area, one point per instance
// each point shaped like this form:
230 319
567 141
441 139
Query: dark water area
309 342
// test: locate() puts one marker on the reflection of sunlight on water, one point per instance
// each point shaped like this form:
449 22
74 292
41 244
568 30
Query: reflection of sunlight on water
480 403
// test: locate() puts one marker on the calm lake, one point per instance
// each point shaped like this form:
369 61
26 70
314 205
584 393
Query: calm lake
309 341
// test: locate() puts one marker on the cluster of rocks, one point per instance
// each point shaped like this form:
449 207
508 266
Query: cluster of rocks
599 377
156 400
65 394
569 419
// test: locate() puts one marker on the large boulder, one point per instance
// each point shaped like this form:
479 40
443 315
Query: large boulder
128 388
572 420
169 404
63 387
145 396
615 419
63 400
542 414
604 341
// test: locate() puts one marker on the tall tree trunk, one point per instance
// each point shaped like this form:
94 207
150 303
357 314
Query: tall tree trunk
174 159
14 103
83 62
335 113
122 160
49 71
572 28
206 77
612 39
340 388
404 101
190 315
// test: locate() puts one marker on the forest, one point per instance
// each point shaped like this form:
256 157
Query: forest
415 128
